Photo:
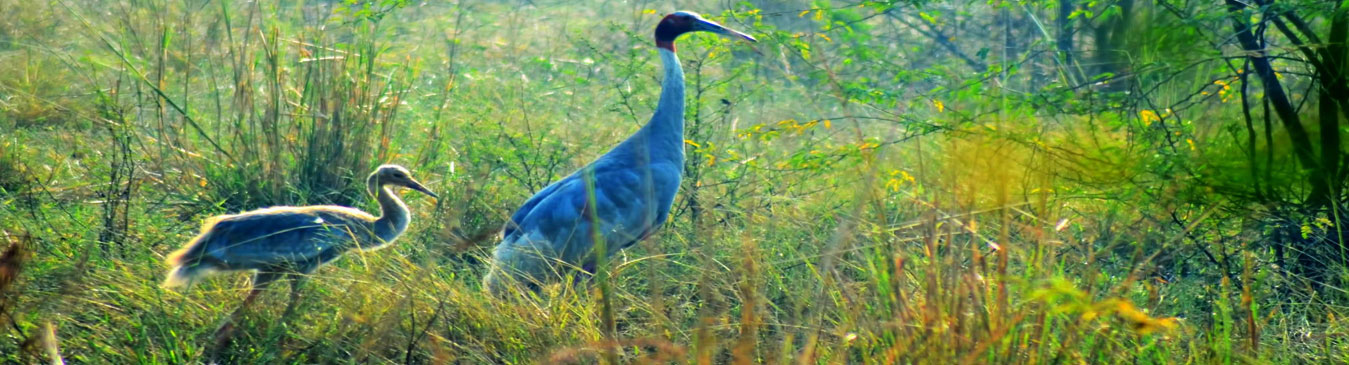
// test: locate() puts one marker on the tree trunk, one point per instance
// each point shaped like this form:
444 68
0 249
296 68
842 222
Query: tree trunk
1064 42
1109 43
1283 107
1334 100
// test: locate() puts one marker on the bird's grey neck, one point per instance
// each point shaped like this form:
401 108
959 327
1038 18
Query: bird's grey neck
393 219
665 131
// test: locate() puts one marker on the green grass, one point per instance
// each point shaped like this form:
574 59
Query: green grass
816 225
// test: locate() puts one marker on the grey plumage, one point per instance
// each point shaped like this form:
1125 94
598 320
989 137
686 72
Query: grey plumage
292 242
281 241
632 186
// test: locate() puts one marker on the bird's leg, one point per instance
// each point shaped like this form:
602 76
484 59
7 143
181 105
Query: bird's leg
579 278
225 332
296 282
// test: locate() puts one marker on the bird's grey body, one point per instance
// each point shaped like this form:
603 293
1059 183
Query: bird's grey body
292 240
278 239
633 185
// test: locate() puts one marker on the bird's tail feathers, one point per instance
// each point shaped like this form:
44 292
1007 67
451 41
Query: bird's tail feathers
175 258
192 251
185 275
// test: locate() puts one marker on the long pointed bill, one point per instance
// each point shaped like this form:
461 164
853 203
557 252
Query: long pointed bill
418 187
711 26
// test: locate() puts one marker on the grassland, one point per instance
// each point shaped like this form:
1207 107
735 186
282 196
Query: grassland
817 223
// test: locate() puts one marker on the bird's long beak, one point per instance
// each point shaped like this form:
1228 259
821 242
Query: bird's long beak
414 185
711 26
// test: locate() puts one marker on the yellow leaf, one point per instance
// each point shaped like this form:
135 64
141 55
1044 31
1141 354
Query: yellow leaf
692 143
894 184
1142 322
940 106
649 11
1148 116
827 125
819 14
803 13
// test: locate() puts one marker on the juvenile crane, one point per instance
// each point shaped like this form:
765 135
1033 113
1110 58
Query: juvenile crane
293 241
634 185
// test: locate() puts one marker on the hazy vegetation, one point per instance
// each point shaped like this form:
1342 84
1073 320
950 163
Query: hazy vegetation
1110 181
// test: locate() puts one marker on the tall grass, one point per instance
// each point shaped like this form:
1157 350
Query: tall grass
807 231
246 116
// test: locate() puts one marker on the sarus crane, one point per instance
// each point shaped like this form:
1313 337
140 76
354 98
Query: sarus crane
632 188
292 242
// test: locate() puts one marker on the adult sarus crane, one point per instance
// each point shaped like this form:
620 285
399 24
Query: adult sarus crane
634 185
292 241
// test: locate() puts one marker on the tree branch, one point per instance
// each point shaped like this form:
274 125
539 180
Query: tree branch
1302 145
942 39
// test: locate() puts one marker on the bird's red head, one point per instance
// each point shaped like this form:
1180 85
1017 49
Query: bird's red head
680 22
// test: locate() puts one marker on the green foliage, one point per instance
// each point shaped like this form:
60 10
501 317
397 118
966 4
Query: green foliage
14 174
872 182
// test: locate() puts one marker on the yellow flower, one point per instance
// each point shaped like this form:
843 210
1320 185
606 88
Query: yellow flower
893 184
1142 322
1148 116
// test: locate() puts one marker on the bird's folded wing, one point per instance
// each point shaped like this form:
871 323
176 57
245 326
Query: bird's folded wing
278 238
626 207
512 226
